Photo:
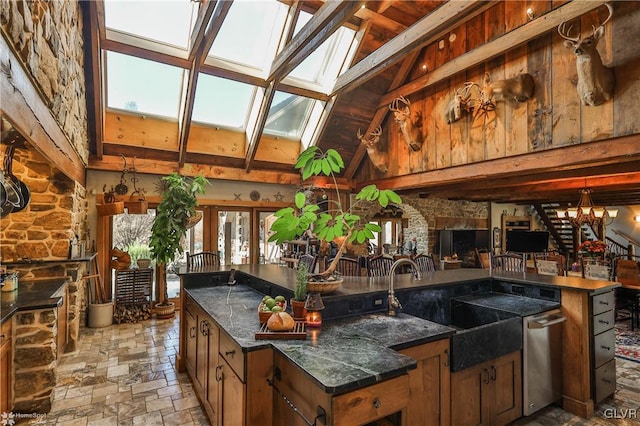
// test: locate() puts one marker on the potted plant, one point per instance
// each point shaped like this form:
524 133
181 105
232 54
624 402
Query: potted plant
336 222
300 292
170 225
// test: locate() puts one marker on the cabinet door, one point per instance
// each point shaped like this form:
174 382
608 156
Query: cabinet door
202 345
213 372
430 384
192 335
5 367
507 381
467 388
231 398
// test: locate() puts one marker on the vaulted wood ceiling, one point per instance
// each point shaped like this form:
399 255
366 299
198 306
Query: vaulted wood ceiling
394 34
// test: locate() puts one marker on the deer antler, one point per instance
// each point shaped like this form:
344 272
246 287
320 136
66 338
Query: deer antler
566 34
395 105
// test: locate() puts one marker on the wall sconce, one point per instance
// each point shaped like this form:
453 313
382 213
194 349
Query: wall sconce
314 305
637 218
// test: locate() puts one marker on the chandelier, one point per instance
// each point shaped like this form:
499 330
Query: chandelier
586 212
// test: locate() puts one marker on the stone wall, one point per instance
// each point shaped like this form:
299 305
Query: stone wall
35 360
434 209
47 37
56 212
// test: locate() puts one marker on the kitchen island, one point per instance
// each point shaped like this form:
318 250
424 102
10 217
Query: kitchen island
359 346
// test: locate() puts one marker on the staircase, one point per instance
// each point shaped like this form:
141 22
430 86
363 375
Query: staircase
561 231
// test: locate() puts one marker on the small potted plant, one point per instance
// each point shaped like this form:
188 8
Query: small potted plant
300 292
336 222
169 228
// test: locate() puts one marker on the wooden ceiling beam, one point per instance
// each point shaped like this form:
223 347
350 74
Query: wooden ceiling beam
329 18
156 167
256 134
425 31
487 51
215 12
199 29
93 74
23 105
610 151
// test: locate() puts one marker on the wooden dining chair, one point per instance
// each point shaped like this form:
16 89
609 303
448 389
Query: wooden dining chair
596 269
379 266
348 267
483 258
204 258
627 273
549 264
508 262
309 260
425 263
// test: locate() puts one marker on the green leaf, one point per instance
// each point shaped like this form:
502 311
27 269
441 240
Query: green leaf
393 197
383 199
326 167
300 199
336 157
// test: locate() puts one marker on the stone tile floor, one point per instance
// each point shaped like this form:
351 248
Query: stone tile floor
125 375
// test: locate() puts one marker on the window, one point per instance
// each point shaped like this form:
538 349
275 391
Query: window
143 86
222 102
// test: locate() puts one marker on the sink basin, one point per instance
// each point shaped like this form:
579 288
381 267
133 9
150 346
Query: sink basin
483 334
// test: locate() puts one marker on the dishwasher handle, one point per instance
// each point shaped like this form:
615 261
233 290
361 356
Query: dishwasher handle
547 321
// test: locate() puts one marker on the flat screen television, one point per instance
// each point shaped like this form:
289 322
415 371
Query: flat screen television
527 241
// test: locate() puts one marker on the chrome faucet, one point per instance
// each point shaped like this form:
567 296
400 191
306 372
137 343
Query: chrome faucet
394 303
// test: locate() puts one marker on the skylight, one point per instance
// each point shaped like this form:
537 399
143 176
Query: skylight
288 115
323 66
250 33
168 22
144 86
222 102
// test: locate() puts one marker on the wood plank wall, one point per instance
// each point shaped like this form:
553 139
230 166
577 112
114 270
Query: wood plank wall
553 117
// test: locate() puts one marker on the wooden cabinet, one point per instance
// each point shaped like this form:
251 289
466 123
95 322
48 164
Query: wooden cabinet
383 403
604 340
217 366
6 366
588 344
429 384
488 393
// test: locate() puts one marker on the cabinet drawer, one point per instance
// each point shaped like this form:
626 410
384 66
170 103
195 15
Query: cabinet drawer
605 381
603 322
371 403
190 306
603 302
604 347
5 333
232 353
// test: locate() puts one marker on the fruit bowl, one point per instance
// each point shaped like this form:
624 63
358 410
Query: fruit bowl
265 315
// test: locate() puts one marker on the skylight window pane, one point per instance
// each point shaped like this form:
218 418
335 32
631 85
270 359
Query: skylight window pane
141 85
250 33
222 102
288 115
323 66
168 22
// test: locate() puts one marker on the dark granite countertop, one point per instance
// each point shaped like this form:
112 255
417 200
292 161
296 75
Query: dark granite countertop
31 295
285 277
342 355
519 305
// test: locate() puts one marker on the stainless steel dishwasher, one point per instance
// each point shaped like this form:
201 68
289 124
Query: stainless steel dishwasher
542 360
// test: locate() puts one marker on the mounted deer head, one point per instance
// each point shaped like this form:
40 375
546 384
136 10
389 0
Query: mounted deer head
481 99
459 103
379 158
595 81
411 129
